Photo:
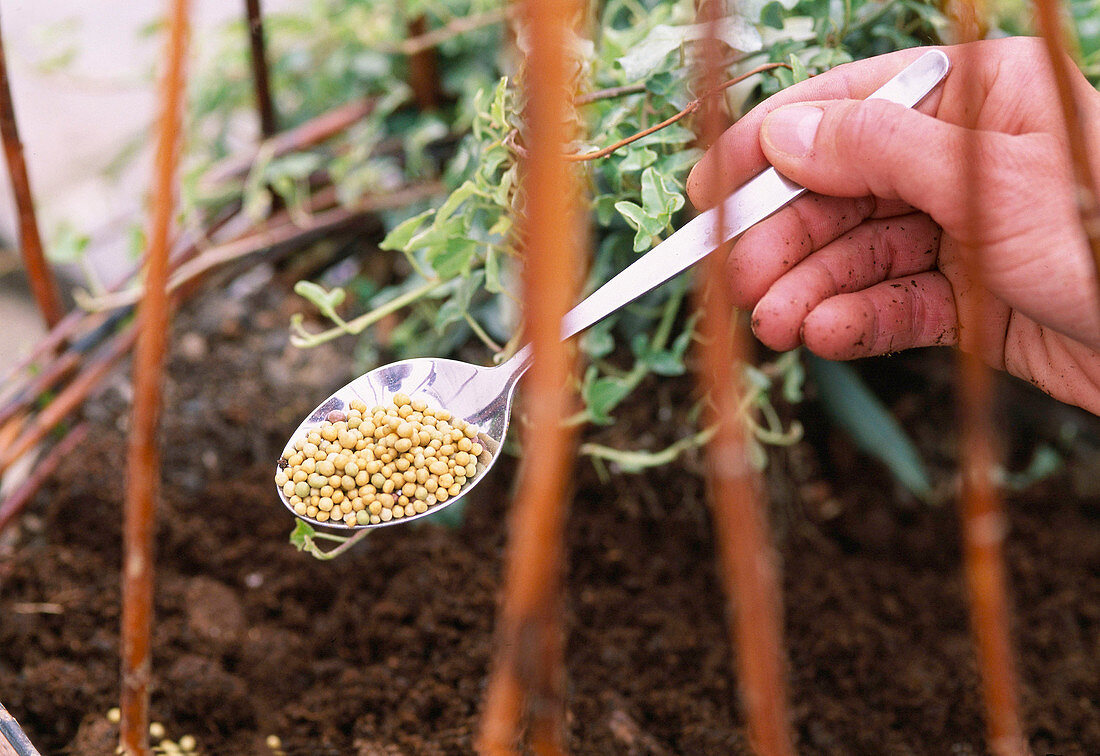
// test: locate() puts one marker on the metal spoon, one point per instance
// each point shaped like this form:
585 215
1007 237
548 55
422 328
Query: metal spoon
483 396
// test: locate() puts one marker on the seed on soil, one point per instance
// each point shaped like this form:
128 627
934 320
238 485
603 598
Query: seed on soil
366 465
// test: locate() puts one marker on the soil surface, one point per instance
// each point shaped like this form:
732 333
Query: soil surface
385 650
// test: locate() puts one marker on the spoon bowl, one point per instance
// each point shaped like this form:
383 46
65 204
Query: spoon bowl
479 395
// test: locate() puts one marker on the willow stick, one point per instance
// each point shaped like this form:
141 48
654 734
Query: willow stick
17 501
527 679
42 282
1049 14
143 459
981 510
747 560
265 107
69 398
423 69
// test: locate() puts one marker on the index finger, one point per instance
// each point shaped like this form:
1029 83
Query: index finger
738 152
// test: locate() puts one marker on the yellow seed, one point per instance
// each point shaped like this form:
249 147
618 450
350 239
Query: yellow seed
312 511
437 467
420 507
401 399
322 516
114 715
325 504
402 445
409 476
386 515
337 497
465 444
471 470
156 730
273 741
187 743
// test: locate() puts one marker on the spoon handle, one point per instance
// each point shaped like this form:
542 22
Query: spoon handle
753 202
757 199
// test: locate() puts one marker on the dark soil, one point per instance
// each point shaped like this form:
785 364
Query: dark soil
385 650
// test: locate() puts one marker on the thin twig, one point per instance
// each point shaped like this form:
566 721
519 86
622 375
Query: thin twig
1054 33
746 556
71 397
691 107
143 458
455 28
44 381
526 683
264 105
279 234
313 131
42 282
609 93
11 507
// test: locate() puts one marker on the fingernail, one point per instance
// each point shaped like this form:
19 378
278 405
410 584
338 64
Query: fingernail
791 129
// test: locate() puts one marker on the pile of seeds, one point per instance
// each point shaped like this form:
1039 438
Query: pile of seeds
366 467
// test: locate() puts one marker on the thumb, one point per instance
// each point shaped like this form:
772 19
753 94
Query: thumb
854 148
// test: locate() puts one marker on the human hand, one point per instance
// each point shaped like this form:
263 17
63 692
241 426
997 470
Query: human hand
873 260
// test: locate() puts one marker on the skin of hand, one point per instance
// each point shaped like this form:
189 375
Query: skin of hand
881 254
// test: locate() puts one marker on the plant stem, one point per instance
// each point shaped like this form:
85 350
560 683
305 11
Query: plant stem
264 105
303 338
41 278
143 459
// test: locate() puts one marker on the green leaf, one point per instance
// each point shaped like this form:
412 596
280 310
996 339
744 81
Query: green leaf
456 307
798 71
638 159
646 226
325 301
660 196
68 245
302 536
453 258
399 237
458 196
597 341
601 395
772 15
871 425
650 52
492 271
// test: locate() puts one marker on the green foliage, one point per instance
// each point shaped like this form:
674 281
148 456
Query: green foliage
456 281
856 409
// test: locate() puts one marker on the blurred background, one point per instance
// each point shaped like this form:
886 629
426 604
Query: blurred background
82 78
